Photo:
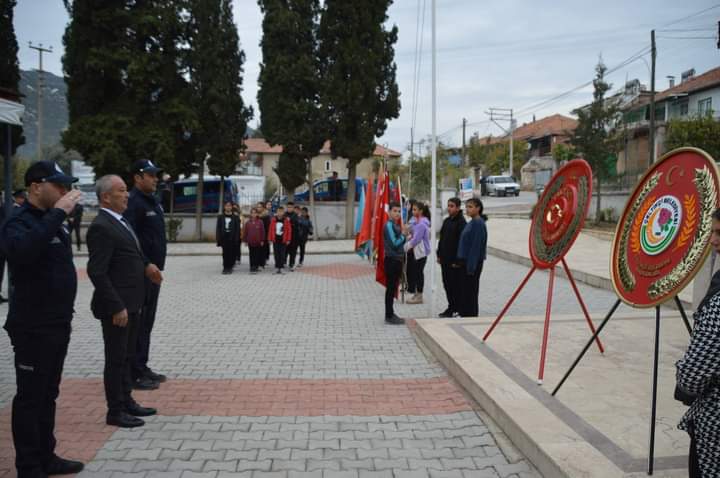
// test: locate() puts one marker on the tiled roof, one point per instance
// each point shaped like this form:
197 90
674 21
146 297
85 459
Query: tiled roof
259 145
555 125
706 80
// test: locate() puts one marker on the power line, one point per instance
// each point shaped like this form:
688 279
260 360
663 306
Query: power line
692 15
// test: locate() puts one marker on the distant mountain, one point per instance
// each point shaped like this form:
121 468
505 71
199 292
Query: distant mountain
55 110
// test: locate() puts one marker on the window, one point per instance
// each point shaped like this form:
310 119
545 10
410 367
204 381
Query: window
705 107
327 165
684 108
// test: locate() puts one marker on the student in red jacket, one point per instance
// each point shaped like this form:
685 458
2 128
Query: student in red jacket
280 235
254 235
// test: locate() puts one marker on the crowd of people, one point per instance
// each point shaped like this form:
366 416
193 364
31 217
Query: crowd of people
461 252
287 230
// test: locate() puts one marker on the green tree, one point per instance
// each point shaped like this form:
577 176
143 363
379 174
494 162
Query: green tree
215 67
493 157
563 152
9 69
359 93
289 86
593 137
292 172
700 132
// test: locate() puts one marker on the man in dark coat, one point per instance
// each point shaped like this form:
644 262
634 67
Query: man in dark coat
39 255
451 267
145 215
117 269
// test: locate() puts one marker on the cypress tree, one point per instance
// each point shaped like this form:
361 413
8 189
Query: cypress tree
360 93
9 69
289 87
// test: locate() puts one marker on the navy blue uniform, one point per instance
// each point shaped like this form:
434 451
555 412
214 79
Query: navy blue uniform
39 255
145 215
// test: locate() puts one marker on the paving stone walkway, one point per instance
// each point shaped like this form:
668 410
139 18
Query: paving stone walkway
284 376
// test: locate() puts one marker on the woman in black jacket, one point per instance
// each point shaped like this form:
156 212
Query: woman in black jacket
227 236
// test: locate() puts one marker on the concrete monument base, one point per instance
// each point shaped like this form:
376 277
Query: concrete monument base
598 424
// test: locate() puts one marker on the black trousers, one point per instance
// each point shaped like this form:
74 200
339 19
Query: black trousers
393 270
39 360
146 322
415 273
120 346
302 251
266 250
77 235
693 460
257 257
292 251
279 250
469 290
229 255
451 278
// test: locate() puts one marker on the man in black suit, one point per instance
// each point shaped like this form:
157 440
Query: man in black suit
117 269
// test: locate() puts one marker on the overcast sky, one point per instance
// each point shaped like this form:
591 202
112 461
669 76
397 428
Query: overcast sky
502 53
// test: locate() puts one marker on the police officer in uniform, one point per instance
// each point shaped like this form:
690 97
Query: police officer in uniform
39 254
145 215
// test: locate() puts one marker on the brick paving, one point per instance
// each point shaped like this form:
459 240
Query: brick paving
286 376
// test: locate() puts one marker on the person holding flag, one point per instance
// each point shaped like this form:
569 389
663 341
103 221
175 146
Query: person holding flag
393 241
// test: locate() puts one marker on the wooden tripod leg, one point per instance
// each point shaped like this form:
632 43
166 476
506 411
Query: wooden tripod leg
507 306
546 331
582 305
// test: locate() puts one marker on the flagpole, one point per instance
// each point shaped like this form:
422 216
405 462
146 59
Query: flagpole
433 180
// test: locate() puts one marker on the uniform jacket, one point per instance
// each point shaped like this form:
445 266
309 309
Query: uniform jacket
39 254
295 225
230 237
116 267
698 375
148 221
287 230
472 249
450 232
254 232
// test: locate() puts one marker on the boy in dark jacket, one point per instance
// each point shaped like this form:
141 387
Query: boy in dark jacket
280 235
227 236
305 229
254 234
451 267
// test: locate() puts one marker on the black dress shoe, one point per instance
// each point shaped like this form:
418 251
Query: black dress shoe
394 320
155 377
136 410
124 420
447 313
144 383
61 466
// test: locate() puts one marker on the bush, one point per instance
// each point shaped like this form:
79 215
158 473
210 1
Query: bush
172 228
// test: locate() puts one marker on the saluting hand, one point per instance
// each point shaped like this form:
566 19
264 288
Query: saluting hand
120 319
68 202
153 273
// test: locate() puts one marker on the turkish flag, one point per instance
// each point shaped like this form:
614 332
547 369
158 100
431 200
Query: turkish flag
381 219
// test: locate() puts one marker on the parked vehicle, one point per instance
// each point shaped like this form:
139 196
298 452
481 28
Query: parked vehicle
322 190
501 186
185 194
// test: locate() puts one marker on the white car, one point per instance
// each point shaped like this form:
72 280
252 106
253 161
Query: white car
502 186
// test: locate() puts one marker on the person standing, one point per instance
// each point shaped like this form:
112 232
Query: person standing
698 378
394 240
39 255
280 235
293 213
266 216
227 236
118 268
237 213
472 251
306 230
418 247
2 256
75 222
146 217
19 198
450 265
254 236
335 188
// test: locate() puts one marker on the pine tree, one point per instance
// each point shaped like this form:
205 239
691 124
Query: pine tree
360 93
289 87
9 69
592 137
215 67
292 171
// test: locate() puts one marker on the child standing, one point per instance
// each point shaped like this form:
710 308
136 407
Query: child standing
254 234
227 236
280 235
394 239
306 230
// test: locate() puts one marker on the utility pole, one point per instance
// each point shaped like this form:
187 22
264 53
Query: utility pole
412 151
504 114
40 49
464 158
651 135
